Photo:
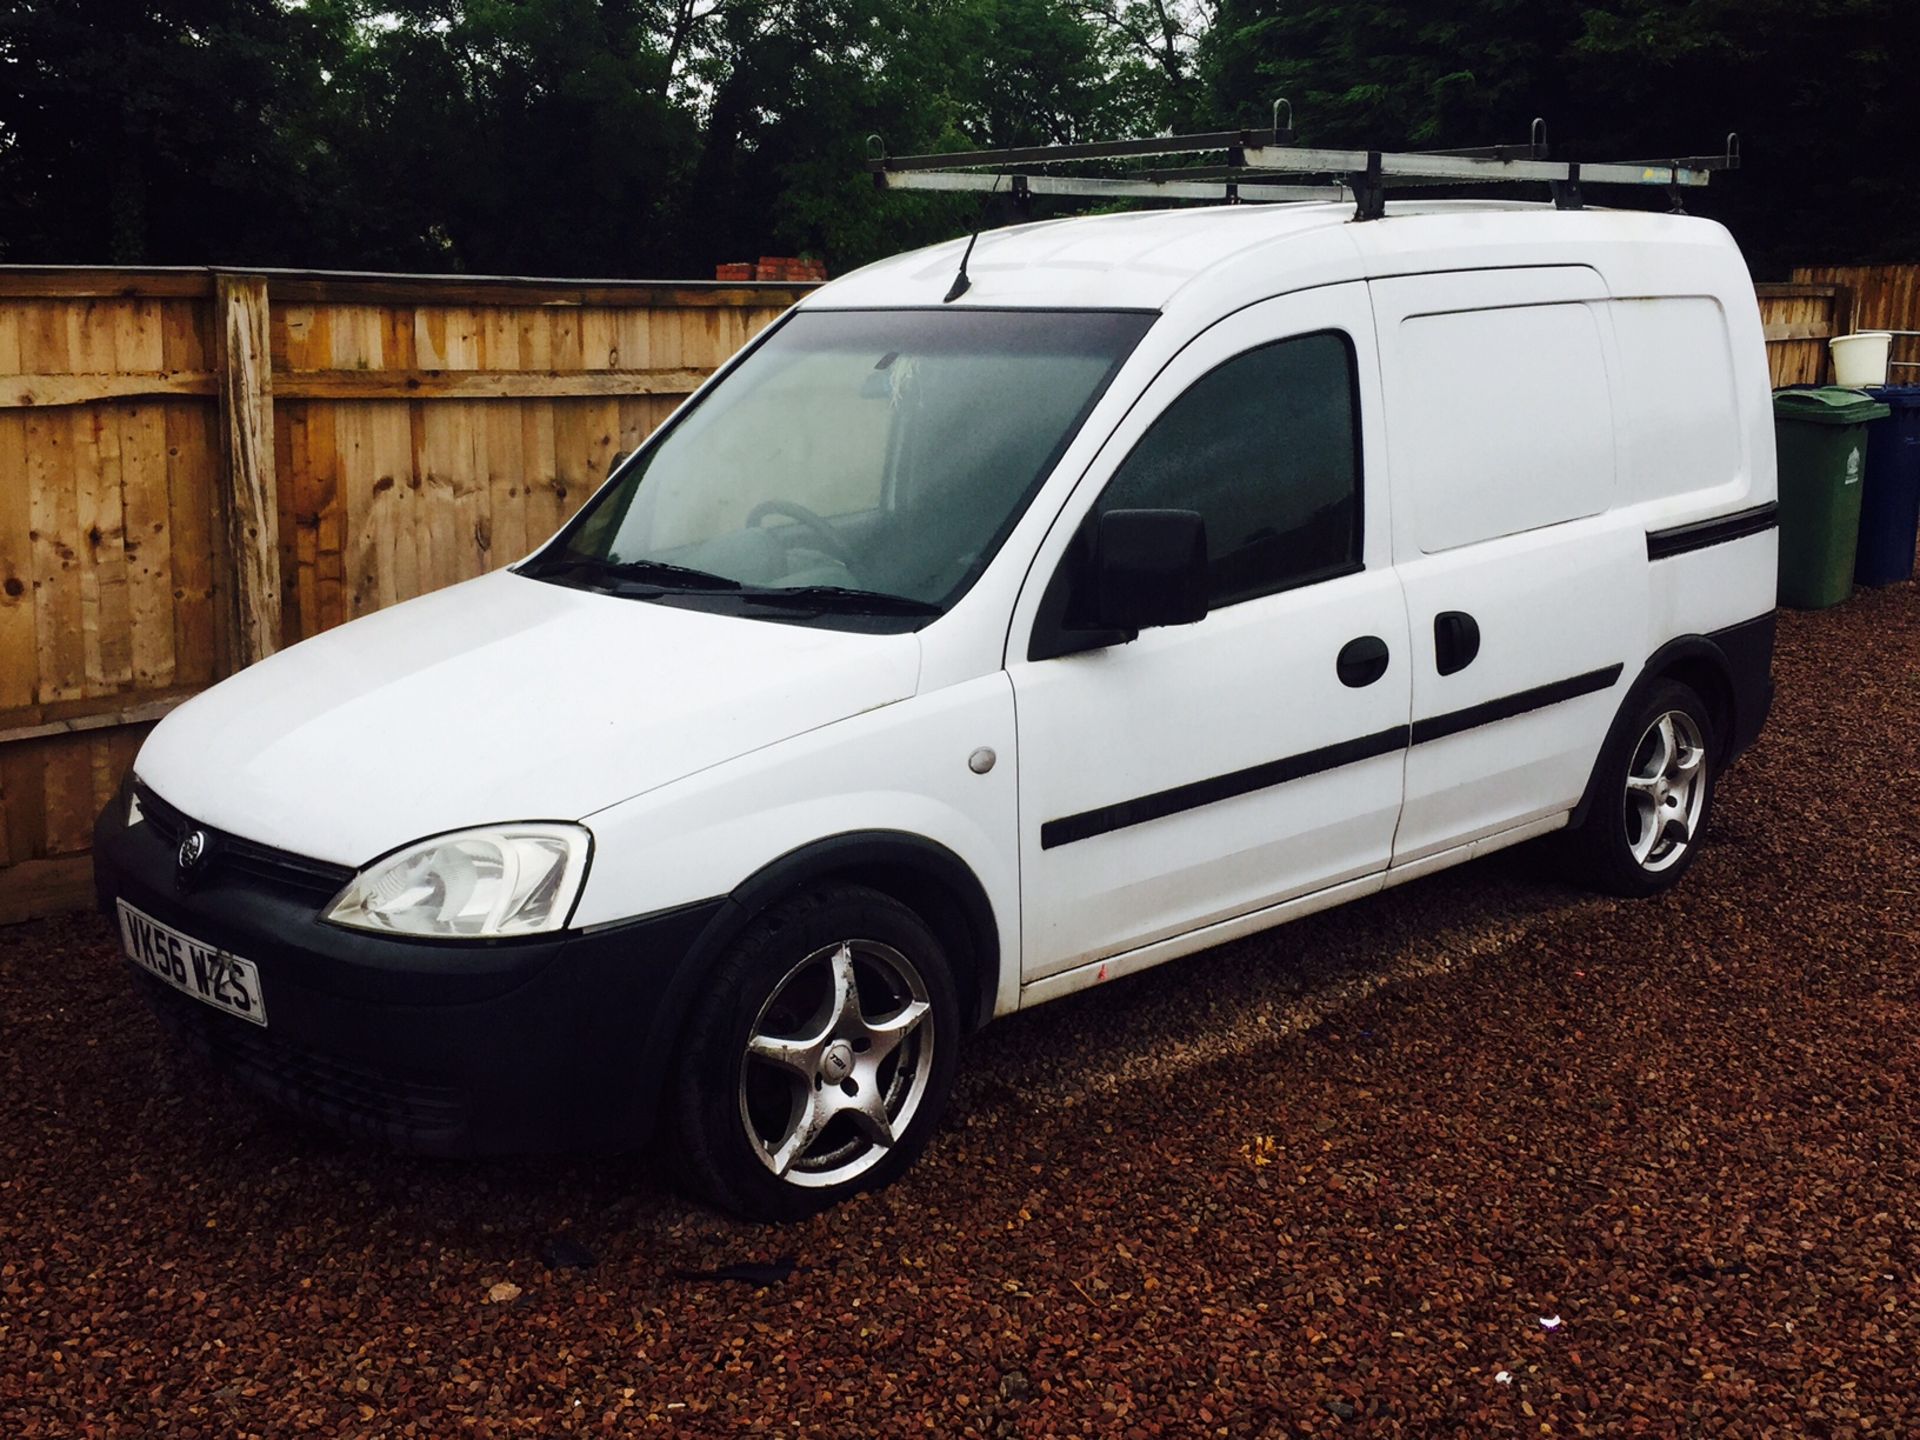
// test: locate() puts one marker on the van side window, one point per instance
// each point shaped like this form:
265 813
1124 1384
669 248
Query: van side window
1266 448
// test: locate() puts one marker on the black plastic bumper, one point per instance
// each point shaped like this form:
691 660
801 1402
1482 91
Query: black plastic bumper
1748 649
548 1044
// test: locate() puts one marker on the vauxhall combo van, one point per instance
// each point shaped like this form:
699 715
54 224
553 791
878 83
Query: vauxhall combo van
945 654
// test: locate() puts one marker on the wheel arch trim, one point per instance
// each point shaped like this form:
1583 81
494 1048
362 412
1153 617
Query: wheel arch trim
1743 707
883 853
851 856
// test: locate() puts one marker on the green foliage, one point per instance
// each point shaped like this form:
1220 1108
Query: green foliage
512 138
1388 72
1824 96
651 137
601 137
1822 93
177 133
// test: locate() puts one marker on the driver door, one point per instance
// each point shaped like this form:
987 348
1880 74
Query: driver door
1200 774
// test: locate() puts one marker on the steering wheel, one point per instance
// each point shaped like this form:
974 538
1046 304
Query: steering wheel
825 540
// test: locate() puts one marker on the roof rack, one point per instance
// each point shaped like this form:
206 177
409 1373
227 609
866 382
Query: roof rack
1270 165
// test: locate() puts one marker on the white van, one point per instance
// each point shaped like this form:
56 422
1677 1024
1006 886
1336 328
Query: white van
1191 572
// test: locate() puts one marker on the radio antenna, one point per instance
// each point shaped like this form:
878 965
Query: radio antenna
961 284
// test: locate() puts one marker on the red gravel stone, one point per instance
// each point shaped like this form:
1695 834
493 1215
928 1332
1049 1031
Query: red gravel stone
1327 1181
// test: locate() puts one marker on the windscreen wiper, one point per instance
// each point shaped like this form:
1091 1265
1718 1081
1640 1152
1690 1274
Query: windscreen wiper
841 598
653 572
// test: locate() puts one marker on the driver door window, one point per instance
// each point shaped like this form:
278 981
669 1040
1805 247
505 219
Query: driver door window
1265 447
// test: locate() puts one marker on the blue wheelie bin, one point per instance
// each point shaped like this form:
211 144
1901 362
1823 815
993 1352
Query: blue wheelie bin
1890 490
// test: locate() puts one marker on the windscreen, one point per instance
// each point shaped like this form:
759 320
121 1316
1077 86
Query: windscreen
879 455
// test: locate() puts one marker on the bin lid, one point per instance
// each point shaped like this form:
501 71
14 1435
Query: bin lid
1828 405
1900 397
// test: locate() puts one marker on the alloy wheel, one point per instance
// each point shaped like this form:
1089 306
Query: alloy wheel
837 1063
1666 791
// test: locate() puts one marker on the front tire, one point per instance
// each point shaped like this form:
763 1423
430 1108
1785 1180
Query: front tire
818 1058
1652 799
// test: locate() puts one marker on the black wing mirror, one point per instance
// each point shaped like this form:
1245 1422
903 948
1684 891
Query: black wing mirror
1149 568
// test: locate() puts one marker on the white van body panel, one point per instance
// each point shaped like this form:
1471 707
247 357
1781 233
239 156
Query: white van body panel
1141 260
499 699
1710 589
902 768
1502 418
1521 590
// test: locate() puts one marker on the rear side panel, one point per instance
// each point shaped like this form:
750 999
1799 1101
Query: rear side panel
1699 463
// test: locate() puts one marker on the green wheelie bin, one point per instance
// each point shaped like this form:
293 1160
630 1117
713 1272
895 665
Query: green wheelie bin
1822 439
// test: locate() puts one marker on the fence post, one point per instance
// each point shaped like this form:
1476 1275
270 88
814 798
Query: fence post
249 497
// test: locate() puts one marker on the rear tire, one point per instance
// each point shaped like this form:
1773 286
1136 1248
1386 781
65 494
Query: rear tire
818 1057
1652 797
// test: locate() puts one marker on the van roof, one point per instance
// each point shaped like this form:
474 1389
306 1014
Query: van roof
1144 259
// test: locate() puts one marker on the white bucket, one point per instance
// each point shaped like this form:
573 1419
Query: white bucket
1860 360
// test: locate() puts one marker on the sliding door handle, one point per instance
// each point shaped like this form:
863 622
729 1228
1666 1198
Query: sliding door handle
1456 640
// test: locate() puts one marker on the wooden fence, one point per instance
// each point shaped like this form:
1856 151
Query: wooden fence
1884 297
197 468
1800 318
1828 300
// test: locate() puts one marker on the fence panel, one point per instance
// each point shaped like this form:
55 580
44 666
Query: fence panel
423 431
1885 297
422 443
1799 320
109 513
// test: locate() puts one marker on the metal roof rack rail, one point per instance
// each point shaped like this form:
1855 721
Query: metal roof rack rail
1270 166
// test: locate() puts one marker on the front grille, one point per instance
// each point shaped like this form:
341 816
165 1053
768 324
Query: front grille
233 854
408 1111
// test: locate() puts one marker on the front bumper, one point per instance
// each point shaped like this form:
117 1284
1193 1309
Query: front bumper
543 1044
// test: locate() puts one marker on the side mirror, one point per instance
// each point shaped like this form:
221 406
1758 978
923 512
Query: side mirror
1149 568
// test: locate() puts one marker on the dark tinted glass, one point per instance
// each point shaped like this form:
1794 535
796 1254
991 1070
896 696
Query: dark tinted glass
1266 449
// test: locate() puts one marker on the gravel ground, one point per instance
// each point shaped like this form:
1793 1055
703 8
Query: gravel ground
1480 1156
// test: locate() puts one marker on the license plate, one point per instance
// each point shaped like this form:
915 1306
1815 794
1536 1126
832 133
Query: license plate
223 981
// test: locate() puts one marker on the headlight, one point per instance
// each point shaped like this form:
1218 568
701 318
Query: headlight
131 790
480 884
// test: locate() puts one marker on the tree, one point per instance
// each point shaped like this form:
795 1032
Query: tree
181 133
656 137
1819 90
513 137
1382 73
792 91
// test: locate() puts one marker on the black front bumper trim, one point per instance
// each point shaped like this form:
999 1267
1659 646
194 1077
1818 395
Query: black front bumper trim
551 1043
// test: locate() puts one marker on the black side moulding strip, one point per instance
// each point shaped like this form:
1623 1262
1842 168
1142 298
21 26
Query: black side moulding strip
1438 727
1662 544
1163 803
